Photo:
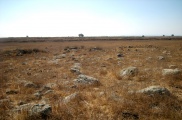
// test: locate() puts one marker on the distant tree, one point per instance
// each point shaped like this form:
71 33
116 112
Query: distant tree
143 36
172 35
163 35
27 36
81 35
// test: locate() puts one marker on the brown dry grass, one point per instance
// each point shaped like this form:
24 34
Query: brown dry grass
112 99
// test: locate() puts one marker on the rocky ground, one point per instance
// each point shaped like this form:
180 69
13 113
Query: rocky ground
91 80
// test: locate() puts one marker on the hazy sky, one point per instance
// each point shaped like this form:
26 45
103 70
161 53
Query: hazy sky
37 18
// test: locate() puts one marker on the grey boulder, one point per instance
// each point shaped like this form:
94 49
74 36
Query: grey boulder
130 71
155 90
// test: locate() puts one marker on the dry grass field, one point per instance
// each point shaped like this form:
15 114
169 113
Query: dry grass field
43 80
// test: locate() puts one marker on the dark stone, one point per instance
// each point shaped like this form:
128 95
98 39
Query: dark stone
129 115
120 55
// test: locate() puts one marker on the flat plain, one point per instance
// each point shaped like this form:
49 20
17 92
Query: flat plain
93 79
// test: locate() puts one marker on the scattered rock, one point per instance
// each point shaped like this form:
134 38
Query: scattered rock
49 86
34 109
11 91
60 56
73 47
54 61
155 90
149 58
30 85
166 72
164 52
101 93
95 49
76 68
42 109
68 49
130 116
37 94
96 89
84 79
120 55
130 71
72 97
21 102
24 63
22 82
160 57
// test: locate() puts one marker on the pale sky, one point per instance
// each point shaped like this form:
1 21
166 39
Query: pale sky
57 18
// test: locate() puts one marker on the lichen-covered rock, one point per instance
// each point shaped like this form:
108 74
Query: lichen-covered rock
43 109
84 79
166 72
155 90
130 71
